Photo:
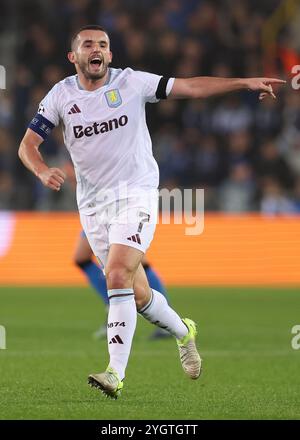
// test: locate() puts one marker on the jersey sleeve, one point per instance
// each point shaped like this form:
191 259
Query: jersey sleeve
48 115
151 86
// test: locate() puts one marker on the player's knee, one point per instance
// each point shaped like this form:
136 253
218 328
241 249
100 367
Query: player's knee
118 277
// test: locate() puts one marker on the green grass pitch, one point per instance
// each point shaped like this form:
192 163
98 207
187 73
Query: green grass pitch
250 370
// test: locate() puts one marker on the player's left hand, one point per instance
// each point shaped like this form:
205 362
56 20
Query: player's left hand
263 85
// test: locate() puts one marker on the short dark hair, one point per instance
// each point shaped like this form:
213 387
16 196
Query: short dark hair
92 27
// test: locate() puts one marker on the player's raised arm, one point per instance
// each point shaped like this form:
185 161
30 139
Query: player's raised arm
205 86
31 157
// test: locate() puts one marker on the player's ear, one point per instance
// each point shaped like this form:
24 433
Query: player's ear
111 57
71 57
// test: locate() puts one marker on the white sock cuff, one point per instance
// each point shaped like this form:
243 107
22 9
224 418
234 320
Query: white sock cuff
120 295
149 304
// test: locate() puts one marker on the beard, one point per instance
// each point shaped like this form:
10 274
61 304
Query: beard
89 74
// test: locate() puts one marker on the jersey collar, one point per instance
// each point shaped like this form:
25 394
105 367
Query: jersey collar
79 86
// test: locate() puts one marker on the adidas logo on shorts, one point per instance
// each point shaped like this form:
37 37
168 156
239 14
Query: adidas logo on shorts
136 238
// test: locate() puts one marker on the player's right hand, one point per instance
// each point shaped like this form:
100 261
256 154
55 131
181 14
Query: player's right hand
264 86
53 178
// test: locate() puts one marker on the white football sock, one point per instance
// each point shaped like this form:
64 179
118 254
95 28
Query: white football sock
161 314
121 325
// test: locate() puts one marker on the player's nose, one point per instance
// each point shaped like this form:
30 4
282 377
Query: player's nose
97 51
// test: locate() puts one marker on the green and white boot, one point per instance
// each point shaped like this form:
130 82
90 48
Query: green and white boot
109 383
189 356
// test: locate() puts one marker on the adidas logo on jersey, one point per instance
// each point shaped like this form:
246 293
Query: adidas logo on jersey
74 109
116 340
98 128
136 238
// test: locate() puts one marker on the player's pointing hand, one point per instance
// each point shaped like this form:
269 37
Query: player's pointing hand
264 85
53 178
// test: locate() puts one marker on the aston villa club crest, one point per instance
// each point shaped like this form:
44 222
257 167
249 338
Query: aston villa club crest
113 98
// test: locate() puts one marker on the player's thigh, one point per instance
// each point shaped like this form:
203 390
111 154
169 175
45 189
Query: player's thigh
122 261
83 251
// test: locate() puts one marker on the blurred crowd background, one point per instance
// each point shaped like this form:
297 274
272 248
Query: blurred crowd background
244 153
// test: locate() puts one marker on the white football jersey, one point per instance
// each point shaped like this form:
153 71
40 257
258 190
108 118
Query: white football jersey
105 132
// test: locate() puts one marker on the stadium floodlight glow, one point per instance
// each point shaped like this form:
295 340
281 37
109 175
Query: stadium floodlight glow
2 338
2 78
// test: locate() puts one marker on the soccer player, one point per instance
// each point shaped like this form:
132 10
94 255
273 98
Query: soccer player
105 131
83 258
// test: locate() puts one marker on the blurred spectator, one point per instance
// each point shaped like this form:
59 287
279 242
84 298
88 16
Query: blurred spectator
197 114
180 164
164 53
6 190
274 199
6 163
163 143
208 163
221 144
231 116
292 155
237 192
270 164
268 118
5 110
296 195
239 148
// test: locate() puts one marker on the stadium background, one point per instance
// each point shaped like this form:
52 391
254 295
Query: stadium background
244 153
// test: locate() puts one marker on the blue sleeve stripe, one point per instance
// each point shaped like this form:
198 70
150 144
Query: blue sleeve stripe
41 125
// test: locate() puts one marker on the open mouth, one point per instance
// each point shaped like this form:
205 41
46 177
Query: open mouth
96 62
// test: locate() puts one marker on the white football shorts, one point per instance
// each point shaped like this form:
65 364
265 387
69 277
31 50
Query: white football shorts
130 222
